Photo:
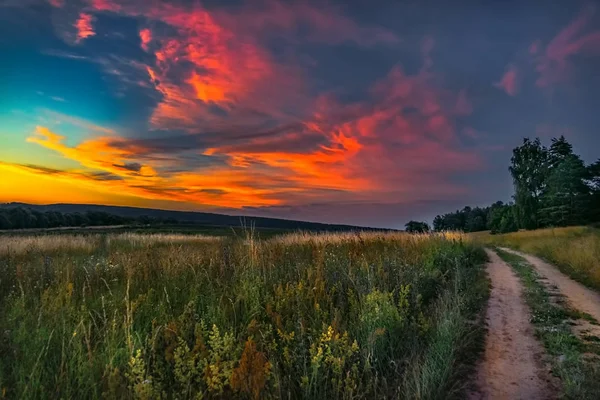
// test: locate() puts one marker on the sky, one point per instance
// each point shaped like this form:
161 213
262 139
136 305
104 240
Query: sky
354 112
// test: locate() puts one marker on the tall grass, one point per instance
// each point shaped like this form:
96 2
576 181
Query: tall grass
301 316
575 250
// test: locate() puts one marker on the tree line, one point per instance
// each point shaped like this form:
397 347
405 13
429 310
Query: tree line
23 218
552 187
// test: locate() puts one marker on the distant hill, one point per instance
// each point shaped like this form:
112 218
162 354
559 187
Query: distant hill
189 217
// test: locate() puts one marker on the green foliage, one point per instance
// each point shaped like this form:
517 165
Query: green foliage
468 220
417 227
529 169
305 316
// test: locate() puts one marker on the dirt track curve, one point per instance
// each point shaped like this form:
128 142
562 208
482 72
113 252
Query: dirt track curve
578 296
512 364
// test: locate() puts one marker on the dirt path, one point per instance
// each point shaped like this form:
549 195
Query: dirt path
511 367
578 296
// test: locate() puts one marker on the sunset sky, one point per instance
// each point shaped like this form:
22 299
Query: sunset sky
357 112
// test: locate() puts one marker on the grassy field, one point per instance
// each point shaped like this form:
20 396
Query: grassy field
575 250
344 315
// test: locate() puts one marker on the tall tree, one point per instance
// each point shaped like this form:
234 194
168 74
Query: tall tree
529 168
566 196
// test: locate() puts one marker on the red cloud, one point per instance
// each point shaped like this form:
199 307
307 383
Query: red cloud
509 82
215 58
105 5
57 3
553 65
146 38
84 27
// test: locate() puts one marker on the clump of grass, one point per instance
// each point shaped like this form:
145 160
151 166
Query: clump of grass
19 244
579 375
306 316
574 250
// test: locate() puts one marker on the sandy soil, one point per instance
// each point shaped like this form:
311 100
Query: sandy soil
512 364
578 296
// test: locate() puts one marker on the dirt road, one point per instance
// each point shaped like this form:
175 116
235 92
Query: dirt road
578 296
511 367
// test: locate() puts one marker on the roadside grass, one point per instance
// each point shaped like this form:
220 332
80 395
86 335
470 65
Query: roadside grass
348 316
574 361
574 250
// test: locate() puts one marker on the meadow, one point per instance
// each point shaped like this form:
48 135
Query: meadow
574 250
145 316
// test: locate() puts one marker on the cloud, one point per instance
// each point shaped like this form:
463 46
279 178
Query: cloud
235 123
214 64
393 144
105 5
146 38
84 27
134 167
509 82
554 63
70 174
95 154
57 3
60 118
327 23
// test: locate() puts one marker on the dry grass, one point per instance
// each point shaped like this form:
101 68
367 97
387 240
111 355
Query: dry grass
17 245
22 244
138 239
575 250
361 236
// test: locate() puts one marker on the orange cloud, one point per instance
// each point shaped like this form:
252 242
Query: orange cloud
84 27
110 167
97 153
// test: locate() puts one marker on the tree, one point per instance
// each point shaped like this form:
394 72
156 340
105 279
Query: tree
529 169
566 196
508 222
417 227
593 182
438 223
